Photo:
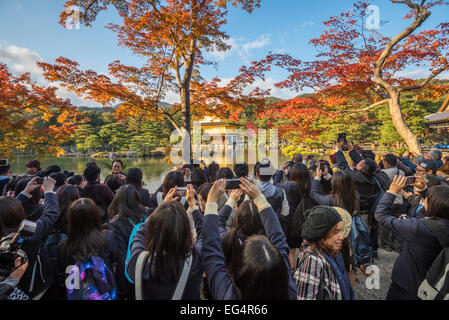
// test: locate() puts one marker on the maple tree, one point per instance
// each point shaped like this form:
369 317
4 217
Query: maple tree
172 36
33 117
363 68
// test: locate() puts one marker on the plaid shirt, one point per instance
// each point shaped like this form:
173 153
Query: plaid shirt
309 274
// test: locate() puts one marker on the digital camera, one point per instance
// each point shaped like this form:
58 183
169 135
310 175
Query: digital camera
10 247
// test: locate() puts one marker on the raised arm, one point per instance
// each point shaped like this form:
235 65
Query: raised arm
212 256
272 227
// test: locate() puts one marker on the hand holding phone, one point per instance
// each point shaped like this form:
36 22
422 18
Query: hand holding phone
233 184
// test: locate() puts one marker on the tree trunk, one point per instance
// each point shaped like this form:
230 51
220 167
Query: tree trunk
186 119
403 129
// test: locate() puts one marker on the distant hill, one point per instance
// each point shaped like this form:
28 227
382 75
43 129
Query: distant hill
102 110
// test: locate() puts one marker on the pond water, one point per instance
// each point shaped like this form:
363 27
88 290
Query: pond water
154 170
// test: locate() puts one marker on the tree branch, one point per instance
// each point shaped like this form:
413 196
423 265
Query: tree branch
370 107
430 78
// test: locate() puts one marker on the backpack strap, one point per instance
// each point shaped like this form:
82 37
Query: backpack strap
159 198
140 265
179 291
128 252
442 236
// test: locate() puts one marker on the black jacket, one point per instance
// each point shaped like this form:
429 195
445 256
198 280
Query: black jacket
420 247
38 263
364 184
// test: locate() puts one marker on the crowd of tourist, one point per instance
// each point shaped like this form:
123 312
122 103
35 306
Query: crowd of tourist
304 231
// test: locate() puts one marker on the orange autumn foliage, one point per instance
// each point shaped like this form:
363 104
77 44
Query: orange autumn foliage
26 113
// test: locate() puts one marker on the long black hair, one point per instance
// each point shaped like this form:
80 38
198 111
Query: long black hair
67 194
343 192
127 204
134 177
301 175
246 223
168 240
173 179
11 215
262 273
84 238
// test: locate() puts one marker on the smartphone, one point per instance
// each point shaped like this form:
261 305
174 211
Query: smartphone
322 165
40 180
3 162
233 184
181 191
410 181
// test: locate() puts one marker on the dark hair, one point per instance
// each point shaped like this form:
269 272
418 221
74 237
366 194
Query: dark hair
173 179
391 159
52 169
198 177
91 173
75 180
297 158
67 194
370 167
84 236
343 191
34 164
213 170
168 240
21 185
241 170
204 189
438 202
225 173
368 154
127 204
4 169
262 272
11 215
257 173
119 161
134 177
59 177
10 186
114 182
91 164
247 222
301 176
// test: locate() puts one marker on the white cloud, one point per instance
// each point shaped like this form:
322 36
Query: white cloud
172 97
19 7
243 49
421 74
260 42
21 60
269 83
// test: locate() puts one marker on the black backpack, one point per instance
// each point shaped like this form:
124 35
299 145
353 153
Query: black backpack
436 284
298 218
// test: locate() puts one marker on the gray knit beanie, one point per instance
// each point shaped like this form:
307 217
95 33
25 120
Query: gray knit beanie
319 221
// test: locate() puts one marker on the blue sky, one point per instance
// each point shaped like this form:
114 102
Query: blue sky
29 32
